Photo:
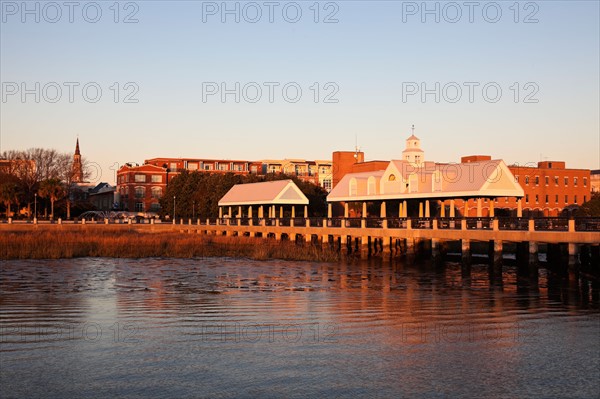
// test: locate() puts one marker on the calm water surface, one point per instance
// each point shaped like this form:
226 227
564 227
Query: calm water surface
242 328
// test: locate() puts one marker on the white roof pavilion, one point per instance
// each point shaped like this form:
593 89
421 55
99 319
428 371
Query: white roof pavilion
278 192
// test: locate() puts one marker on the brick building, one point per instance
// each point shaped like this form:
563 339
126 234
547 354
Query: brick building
140 187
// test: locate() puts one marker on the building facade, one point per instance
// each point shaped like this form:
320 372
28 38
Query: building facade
318 172
140 187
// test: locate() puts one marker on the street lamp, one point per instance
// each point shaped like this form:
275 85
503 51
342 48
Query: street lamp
35 206
174 209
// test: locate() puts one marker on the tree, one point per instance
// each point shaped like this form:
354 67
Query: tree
53 190
590 208
8 195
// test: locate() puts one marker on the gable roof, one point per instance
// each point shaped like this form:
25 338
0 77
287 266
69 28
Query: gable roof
278 192
475 179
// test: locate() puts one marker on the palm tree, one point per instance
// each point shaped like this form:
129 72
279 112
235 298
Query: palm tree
8 195
52 189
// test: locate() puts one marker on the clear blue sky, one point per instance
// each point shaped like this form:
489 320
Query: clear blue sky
374 54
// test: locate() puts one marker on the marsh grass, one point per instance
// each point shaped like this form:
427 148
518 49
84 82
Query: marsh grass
45 244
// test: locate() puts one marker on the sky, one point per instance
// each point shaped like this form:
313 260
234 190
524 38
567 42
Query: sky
268 80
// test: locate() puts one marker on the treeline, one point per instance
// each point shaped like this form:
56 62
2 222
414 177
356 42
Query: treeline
37 172
198 193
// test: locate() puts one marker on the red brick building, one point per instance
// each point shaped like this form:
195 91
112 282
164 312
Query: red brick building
550 188
140 187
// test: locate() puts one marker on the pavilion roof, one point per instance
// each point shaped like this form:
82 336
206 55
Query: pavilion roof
277 192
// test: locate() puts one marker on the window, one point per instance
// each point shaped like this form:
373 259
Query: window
556 180
584 199
154 207
527 198
156 192
575 181
208 166
549 165
547 180
139 207
537 199
537 180
556 199
566 199
140 192
575 199
156 179
527 180
546 198
392 177
417 159
566 181
327 184
140 178
371 186
353 188
173 166
585 182
193 166
517 178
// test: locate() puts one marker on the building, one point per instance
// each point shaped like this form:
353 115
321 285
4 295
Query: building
318 172
421 188
102 197
176 165
595 181
140 187
551 189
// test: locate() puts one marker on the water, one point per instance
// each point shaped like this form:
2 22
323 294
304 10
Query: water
241 328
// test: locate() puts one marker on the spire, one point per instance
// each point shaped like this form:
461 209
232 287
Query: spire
77 147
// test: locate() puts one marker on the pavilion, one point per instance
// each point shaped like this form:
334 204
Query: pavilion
270 194
446 184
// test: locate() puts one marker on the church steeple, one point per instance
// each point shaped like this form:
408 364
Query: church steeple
77 165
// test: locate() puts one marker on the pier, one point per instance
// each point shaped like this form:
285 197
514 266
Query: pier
574 241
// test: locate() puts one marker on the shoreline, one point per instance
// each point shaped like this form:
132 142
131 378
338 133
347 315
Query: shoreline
21 244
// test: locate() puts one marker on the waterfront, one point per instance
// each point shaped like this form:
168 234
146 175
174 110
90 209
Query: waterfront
224 327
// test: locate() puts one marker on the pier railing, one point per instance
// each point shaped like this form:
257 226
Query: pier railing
558 224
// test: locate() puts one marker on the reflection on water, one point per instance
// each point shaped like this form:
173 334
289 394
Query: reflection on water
242 328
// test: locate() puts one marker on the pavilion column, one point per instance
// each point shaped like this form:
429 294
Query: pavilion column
479 207
452 211
383 210
345 209
364 210
250 212
261 212
400 210
239 215
305 211
519 208
273 211
427 213
220 213
491 208
229 212
293 211
280 211
405 208
443 209
420 209
329 212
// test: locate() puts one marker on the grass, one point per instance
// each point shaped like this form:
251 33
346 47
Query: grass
45 244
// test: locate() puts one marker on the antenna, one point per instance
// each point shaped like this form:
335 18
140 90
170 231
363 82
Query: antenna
356 147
